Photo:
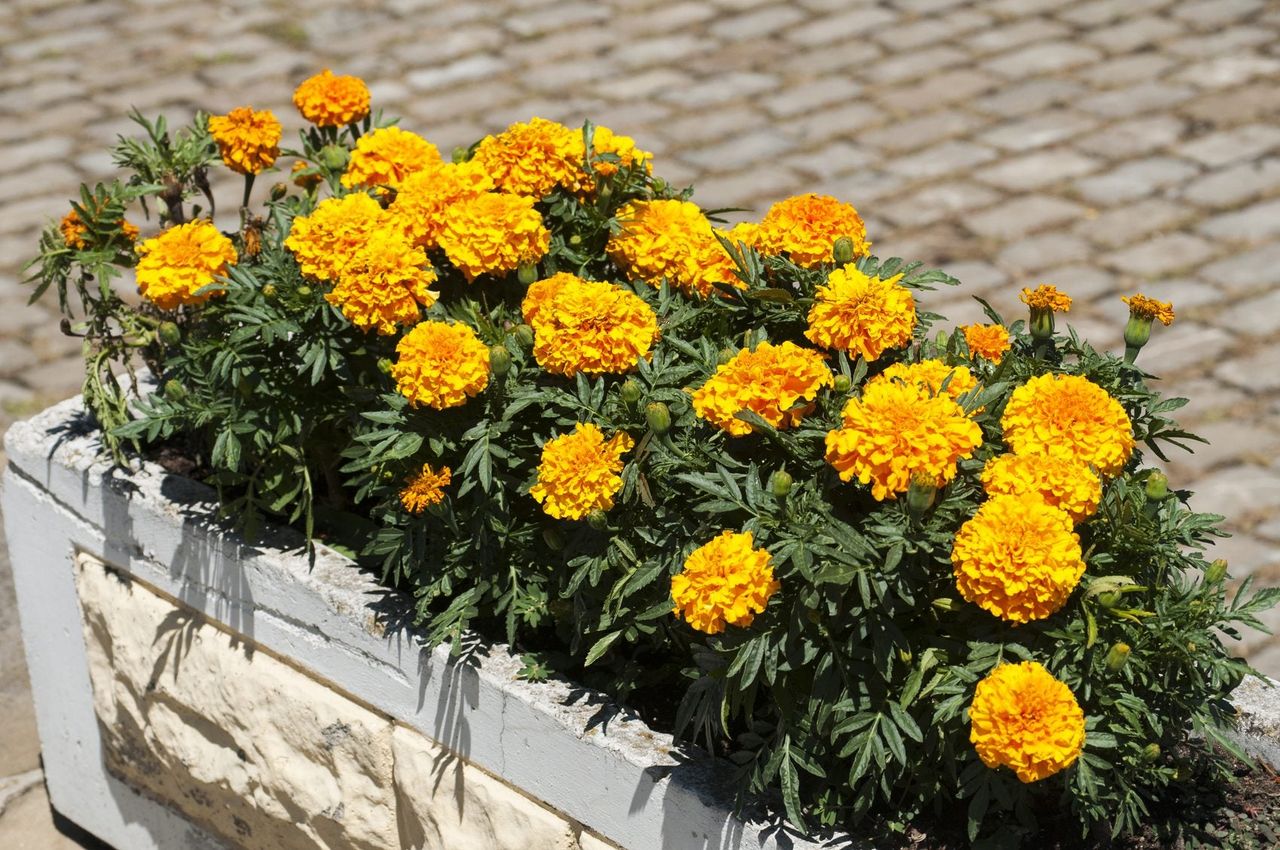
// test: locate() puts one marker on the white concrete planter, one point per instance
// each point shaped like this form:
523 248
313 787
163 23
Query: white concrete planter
193 691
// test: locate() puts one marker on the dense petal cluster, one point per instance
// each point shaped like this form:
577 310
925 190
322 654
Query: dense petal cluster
493 233
778 382
533 158
1061 482
1142 307
931 375
324 242
862 315
440 365
1017 558
805 228
173 266
248 140
989 342
896 432
422 198
578 473
75 234
587 326
671 240
1046 297
724 582
604 140
327 100
1068 416
425 489
1025 719
386 156
385 284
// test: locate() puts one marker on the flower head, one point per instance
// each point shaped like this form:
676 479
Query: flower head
425 489
331 101
75 233
586 326
305 175
724 582
1068 416
493 233
671 240
423 197
440 365
1142 307
1024 719
931 375
579 472
806 227
989 342
1046 297
533 158
385 284
1017 558
862 315
777 382
898 431
1061 482
604 140
386 156
179 262
324 241
248 141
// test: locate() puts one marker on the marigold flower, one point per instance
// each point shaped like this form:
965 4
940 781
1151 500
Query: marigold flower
76 234
533 158
425 489
931 374
1017 558
987 341
248 140
586 326
324 242
493 233
173 266
806 227
724 582
1025 719
744 232
1068 416
671 240
862 315
386 156
1061 482
331 101
778 382
579 472
305 181
604 140
1046 297
1142 307
896 432
440 365
423 197
385 284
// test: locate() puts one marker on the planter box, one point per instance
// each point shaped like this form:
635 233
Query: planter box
195 691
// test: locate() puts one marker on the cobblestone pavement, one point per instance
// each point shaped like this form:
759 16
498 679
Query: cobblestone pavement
1103 146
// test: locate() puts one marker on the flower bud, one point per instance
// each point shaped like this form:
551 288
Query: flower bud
1157 486
384 365
278 191
921 494
1041 325
1137 331
575 240
460 154
724 355
304 291
269 291
499 360
553 538
842 251
658 417
843 383
527 273
1215 572
1109 599
659 185
169 333
1151 753
333 157
944 604
523 335
1117 657
174 390
598 520
780 483
629 391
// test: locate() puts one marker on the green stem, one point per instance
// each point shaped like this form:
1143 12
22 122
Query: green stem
248 187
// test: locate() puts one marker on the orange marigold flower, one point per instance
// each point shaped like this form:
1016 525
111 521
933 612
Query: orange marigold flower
440 365
586 326
671 240
1018 558
424 196
386 156
1068 416
805 228
248 141
385 284
533 158
324 242
307 181
1046 297
724 582
987 341
182 260
604 140
1024 719
777 382
896 432
579 472
425 489
744 232
1061 482
931 374
331 101
493 233
862 315
76 234
1142 307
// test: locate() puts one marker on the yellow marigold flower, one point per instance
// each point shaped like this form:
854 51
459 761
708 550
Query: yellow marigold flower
745 232
987 341
778 382
330 101
76 234
425 489
324 242
724 582
1046 297
493 233
896 432
1025 719
1068 416
805 228
931 374
1066 484
604 140
385 284
579 472
180 261
1017 558
586 326
673 241
534 158
386 156
1142 307
860 314
424 195
440 365
248 141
